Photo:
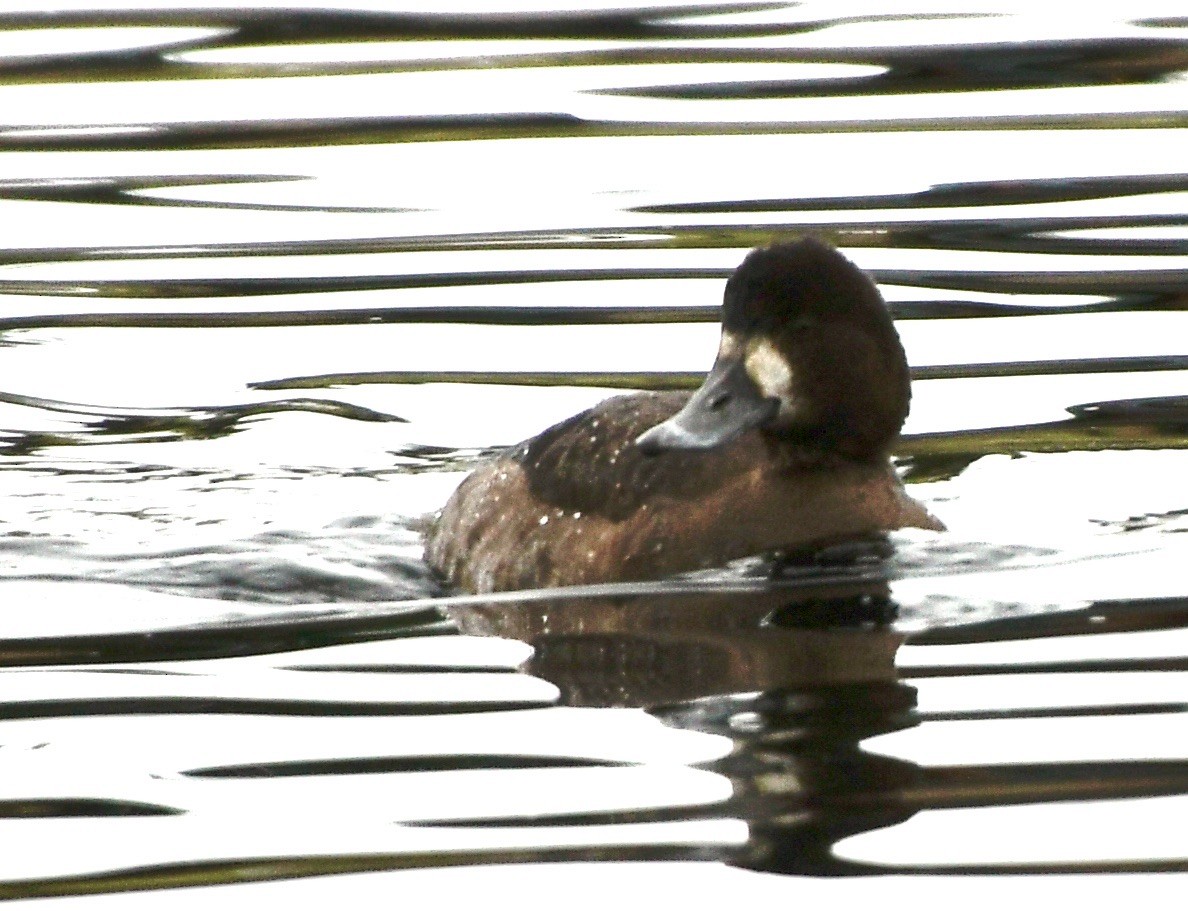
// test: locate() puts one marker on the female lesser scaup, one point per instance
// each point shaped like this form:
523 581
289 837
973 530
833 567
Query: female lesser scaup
785 444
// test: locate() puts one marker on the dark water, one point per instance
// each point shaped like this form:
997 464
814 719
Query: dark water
359 247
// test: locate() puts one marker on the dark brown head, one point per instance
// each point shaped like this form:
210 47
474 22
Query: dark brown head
808 354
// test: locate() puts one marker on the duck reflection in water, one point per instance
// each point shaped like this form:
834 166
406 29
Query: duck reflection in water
796 674
786 444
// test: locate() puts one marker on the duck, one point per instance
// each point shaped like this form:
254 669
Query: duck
785 446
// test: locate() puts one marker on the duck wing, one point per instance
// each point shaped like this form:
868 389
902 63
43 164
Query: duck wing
589 463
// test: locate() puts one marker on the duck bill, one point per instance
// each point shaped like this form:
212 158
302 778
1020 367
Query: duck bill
727 404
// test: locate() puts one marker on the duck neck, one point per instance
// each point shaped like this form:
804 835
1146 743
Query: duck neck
816 452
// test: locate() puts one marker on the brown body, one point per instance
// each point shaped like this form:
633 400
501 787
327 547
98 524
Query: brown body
538 516
639 488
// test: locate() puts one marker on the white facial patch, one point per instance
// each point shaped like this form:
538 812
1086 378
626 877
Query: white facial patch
770 371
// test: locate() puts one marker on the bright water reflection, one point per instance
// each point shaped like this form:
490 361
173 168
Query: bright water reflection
361 245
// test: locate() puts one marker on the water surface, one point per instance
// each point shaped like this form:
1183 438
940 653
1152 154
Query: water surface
274 279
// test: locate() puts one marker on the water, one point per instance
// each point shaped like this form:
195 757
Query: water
360 245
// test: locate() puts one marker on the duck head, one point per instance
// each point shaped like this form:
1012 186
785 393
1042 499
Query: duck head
808 355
